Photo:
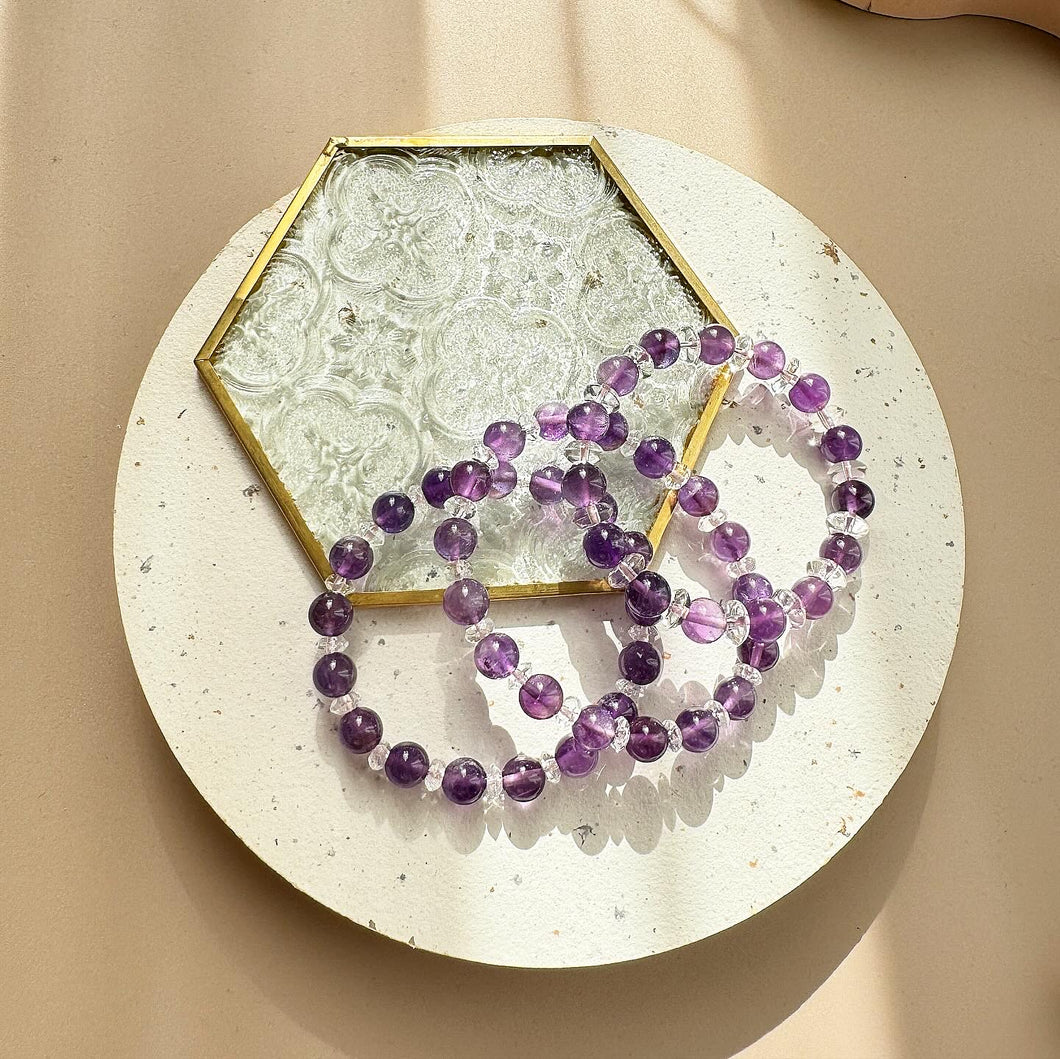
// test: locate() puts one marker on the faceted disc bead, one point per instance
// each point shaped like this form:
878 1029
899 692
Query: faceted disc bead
816 595
496 655
619 373
393 512
655 457
749 587
588 421
503 479
351 557
436 487
594 728
574 760
464 781
330 614
730 542
843 550
840 444
699 730
705 621
617 432
505 438
736 697
698 496
546 485
605 545
767 360
766 620
334 675
470 479
810 393
523 778
619 704
552 420
647 597
406 764
639 662
664 347
762 656
466 601
541 696
854 496
455 539
716 344
360 730
583 484
648 739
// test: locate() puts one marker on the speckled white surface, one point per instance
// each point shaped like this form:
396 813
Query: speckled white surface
214 588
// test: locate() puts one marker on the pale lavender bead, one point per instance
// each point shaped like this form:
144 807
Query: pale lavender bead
749 587
617 432
541 696
503 479
505 438
767 361
730 542
594 728
705 620
699 730
716 344
588 421
454 539
574 760
583 484
523 778
620 373
698 496
496 655
471 479
810 393
655 457
546 485
816 595
466 601
766 620
552 420
736 696
664 347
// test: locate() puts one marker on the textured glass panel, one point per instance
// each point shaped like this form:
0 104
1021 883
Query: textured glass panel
422 293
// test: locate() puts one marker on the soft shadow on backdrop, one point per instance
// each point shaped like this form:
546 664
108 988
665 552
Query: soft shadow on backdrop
137 138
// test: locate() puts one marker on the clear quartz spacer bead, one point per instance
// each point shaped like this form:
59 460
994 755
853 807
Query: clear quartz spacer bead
627 570
460 507
847 522
831 573
643 361
737 622
746 565
582 452
584 517
433 780
640 632
673 736
485 455
825 419
334 583
627 687
602 395
343 704
327 645
718 712
791 605
474 633
844 472
749 673
570 708
377 756
458 570
629 446
712 521
551 768
688 336
677 477
371 533
621 737
494 786
519 676
677 611
790 375
745 345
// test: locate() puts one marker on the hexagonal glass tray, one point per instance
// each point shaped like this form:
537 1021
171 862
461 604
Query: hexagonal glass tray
417 289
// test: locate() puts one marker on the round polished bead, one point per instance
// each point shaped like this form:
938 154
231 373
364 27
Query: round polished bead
471 479
546 484
617 432
588 421
619 704
647 597
541 696
843 550
664 347
496 655
436 486
574 760
583 484
454 539
523 778
854 496
464 781
767 360
393 512
749 587
762 656
730 542
639 662
816 595
594 728
330 614
361 729
705 620
648 738
736 697
351 557
505 438
466 601
840 444
716 343
698 496
406 764
552 420
503 479
619 373
810 393
638 544
655 457
699 730
766 620
334 675
605 545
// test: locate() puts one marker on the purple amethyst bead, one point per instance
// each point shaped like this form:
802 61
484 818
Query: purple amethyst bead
767 620
843 550
749 587
736 697
505 438
588 421
698 496
648 739
471 479
594 728
523 778
502 479
699 730
654 458
854 496
436 487
617 432
605 545
810 393
716 344
573 760
454 539
583 484
541 696
816 595
406 764
730 542
546 485
662 346
840 443
767 360
393 512
496 655
762 656
330 614
464 781
620 705
334 675
620 373
639 662
466 601
705 620
351 557
647 597
360 730
638 544
552 420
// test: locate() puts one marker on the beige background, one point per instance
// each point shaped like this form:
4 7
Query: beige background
137 138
